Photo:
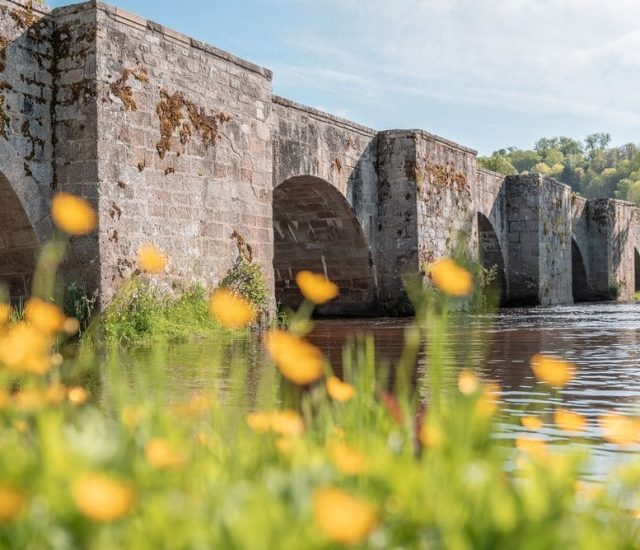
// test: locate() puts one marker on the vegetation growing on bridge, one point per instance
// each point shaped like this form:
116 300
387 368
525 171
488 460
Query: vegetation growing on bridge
592 167
299 458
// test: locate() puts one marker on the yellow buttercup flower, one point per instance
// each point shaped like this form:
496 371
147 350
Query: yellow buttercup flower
47 318
316 288
11 503
552 370
431 435
619 429
535 448
487 403
288 423
5 314
102 498
451 278
151 259
161 454
25 349
343 518
569 421
347 460
55 394
531 422
73 215
78 395
231 310
339 390
468 382
298 360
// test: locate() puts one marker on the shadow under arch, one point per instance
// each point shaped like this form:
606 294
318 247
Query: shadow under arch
491 257
18 243
579 280
636 262
316 229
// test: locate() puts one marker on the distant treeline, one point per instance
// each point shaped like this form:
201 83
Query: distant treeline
591 167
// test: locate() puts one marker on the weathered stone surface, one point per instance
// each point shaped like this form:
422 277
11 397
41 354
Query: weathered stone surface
182 145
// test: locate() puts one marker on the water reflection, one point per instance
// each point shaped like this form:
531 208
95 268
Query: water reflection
602 339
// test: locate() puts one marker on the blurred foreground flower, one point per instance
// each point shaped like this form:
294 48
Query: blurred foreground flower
78 395
231 310
161 454
339 390
487 403
468 382
316 288
298 360
347 460
23 348
535 448
11 503
451 278
619 429
552 370
102 498
343 518
151 259
569 421
47 318
73 215
531 422
287 423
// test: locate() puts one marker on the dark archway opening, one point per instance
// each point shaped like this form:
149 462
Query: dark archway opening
18 244
316 229
580 283
492 260
636 257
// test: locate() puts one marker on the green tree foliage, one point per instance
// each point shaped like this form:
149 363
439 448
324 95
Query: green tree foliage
592 167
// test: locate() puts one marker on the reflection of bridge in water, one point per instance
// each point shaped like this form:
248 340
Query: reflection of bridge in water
183 145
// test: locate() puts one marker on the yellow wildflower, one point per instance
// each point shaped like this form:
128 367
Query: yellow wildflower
552 370
78 395
487 403
71 326
288 423
431 436
73 215
619 429
451 278
102 498
569 421
55 394
347 460
29 399
23 348
231 310
298 360
47 318
160 454
531 422
339 390
151 259
316 288
11 503
468 382
535 448
5 314
343 518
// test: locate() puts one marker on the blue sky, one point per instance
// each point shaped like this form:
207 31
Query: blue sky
485 73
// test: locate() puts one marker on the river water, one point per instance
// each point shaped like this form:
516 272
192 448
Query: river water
603 340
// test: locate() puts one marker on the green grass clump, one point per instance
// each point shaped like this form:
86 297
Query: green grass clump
138 315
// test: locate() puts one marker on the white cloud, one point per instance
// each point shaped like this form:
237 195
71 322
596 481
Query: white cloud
549 56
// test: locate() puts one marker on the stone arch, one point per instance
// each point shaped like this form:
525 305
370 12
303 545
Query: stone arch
579 280
491 257
636 261
18 243
316 229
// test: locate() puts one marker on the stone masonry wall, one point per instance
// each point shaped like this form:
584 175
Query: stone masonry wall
184 142
26 150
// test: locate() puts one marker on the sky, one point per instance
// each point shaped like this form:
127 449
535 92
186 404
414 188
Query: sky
485 73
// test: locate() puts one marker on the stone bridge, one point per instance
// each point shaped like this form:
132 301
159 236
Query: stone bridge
183 145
